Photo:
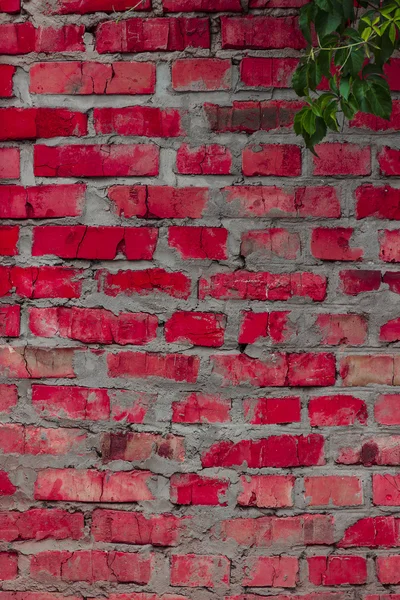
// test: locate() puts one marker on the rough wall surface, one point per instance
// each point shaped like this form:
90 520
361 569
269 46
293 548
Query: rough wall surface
200 320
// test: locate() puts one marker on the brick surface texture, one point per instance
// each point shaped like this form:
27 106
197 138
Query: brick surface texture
199 320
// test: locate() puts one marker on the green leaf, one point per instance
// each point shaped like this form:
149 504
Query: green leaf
307 12
344 87
309 122
326 23
392 33
299 81
324 62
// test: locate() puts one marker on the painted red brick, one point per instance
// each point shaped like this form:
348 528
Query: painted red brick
199 242
379 202
9 236
387 569
10 6
334 244
8 397
190 488
29 362
333 490
389 242
271 243
41 202
95 243
23 38
201 5
144 283
32 123
65 7
41 524
141 446
201 75
249 116
355 282
7 73
8 566
195 570
342 159
267 72
178 367
385 490
271 571
43 282
199 329
337 570
272 159
387 409
142 121
83 78
6 487
337 410
367 369
266 491
153 35
117 160
276 451
79 485
261 32
375 451
267 411
201 408
9 163
389 161
335 330
372 532
93 325
366 121
9 319
204 160
159 202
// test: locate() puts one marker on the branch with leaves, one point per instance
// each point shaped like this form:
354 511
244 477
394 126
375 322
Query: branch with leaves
348 46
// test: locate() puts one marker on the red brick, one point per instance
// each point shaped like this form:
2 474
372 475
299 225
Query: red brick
392 72
202 5
373 451
190 488
246 285
159 202
333 491
356 282
145 121
122 527
392 279
93 325
43 282
272 159
9 236
268 72
82 7
261 32
271 243
116 160
201 74
152 35
8 566
23 38
267 531
201 408
41 202
129 406
385 490
274 325
144 283
82 78
9 164
322 201
366 121
363 370
388 569
12 439
8 397
95 243
266 491
6 81
389 243
195 570
308 369
343 329
75 485
337 411
373 532
141 446
342 159
204 160
10 6
390 331
277 3
266 411
41 524
337 570
250 117
38 440
141 365
28 362
32 123
389 161
199 242
92 566
6 487
199 329
387 409
271 571
379 202
276 451
240 369
334 244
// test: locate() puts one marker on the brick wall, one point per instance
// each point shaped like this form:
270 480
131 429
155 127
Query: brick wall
200 320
